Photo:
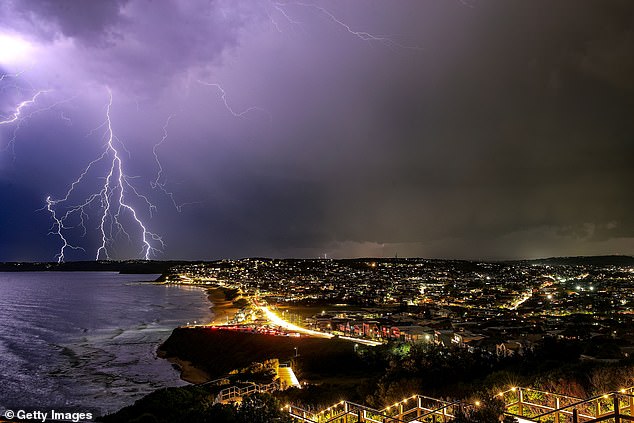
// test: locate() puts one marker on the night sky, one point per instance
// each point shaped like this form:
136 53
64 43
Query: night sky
440 129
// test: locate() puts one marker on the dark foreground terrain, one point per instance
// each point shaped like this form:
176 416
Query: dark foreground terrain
218 352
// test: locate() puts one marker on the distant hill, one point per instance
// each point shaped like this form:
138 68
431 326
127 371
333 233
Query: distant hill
127 266
587 261
163 267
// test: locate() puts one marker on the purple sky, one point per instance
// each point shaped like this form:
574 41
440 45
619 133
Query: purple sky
458 129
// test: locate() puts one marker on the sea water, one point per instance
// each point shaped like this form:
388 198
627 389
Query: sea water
88 339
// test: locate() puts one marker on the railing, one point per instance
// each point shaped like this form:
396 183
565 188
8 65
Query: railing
417 408
343 412
423 409
218 382
527 402
540 406
234 393
529 405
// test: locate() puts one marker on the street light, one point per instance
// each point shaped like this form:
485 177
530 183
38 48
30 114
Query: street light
295 348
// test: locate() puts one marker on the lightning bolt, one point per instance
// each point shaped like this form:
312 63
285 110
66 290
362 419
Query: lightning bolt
362 35
58 225
25 110
66 119
15 116
279 8
468 3
223 97
9 75
19 114
116 180
159 182
112 200
274 22
159 174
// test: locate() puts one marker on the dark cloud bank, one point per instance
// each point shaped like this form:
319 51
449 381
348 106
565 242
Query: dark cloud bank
506 133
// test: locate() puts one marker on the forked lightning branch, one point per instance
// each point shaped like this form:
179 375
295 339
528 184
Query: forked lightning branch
117 216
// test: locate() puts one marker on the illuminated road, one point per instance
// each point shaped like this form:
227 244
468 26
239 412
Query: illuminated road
528 295
277 320
522 300
361 341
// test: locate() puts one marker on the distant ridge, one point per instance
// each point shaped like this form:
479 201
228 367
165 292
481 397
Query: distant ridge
612 260
162 267
124 266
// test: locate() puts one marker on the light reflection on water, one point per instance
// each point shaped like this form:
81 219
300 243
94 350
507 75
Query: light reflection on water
88 339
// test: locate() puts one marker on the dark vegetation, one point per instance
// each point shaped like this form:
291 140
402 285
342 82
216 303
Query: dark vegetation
457 374
194 404
491 410
376 376
555 366
230 293
240 303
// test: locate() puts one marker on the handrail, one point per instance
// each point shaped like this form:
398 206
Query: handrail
613 405
345 408
520 388
560 410
588 408
360 407
436 411
236 391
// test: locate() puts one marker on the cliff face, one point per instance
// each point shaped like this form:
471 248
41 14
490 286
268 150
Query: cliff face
217 352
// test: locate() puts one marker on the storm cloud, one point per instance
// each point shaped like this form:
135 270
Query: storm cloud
483 129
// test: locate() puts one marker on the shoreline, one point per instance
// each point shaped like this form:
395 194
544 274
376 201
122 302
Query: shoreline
188 371
223 310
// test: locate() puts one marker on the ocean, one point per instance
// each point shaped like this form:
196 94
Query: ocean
78 340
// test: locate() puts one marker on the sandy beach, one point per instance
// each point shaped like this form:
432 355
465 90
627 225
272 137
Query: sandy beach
222 308
223 311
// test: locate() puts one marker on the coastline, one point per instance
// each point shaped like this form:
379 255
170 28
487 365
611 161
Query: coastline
202 354
188 371
101 334
223 310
